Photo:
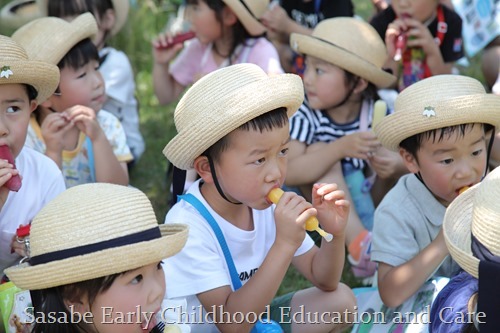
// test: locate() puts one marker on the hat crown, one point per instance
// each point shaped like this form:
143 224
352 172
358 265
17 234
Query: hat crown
11 50
256 7
49 39
356 36
206 94
437 89
485 223
89 214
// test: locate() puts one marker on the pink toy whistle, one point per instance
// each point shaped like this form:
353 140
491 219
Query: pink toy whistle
401 42
180 38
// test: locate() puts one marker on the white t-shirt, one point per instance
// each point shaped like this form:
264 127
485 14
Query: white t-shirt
201 265
118 77
41 182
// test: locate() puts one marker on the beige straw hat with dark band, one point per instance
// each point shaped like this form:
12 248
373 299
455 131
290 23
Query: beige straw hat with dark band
19 12
477 212
222 101
49 39
436 102
91 231
249 13
350 44
15 67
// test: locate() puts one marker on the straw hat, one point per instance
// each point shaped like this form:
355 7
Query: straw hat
475 211
222 101
15 67
91 231
49 39
19 12
249 13
350 44
436 102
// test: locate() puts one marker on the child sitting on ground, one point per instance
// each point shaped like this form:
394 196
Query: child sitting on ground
87 143
233 130
115 66
24 84
227 32
95 261
430 39
331 136
442 128
470 228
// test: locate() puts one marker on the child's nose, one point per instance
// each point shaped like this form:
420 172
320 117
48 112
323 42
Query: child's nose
274 173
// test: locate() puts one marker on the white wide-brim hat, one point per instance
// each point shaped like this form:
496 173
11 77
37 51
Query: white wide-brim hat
436 102
94 230
350 44
19 12
16 67
474 212
222 101
49 39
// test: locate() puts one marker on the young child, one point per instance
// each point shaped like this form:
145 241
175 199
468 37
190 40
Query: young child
442 128
114 66
87 143
233 130
227 32
431 32
24 84
95 258
300 16
470 227
331 136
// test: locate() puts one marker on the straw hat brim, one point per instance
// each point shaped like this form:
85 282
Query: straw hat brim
478 108
342 58
235 109
251 24
457 231
42 76
19 12
101 263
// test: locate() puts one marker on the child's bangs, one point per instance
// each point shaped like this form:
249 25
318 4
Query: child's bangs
81 54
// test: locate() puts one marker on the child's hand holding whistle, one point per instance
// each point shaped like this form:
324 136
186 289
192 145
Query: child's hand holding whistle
323 197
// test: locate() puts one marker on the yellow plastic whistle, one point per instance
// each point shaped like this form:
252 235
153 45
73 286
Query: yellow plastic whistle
312 223
463 189
379 111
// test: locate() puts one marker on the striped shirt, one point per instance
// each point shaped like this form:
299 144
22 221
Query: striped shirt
310 126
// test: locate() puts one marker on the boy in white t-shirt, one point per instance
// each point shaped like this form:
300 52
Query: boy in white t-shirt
233 129
23 85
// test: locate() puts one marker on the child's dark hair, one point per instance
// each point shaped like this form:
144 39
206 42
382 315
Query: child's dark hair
240 34
413 143
31 91
52 300
370 93
276 118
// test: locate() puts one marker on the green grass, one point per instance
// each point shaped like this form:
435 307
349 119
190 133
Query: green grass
149 175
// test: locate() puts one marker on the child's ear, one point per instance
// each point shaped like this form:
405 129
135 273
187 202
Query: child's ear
108 20
228 17
202 167
409 160
33 105
78 304
360 86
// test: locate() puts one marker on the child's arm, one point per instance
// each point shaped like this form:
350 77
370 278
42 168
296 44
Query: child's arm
7 171
166 88
319 161
291 213
397 284
387 164
279 24
107 167
323 266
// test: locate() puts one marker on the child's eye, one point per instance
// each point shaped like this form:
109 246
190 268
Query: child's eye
319 71
284 152
447 161
12 109
477 152
82 75
260 161
137 279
